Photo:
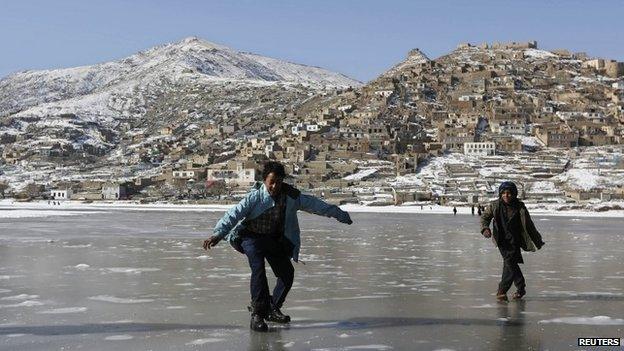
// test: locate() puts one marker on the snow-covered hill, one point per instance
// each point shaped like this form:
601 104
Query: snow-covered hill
191 58
84 108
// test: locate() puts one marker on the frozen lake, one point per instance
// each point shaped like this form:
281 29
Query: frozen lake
138 280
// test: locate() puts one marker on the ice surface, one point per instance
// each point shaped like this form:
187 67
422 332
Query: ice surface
125 278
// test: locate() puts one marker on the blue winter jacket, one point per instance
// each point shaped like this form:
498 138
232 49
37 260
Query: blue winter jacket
259 200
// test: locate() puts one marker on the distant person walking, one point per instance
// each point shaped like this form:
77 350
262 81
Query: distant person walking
479 210
513 230
472 209
263 225
454 211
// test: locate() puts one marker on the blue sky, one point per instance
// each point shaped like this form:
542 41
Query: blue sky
358 38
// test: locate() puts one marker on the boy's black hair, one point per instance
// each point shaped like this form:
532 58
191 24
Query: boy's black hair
273 167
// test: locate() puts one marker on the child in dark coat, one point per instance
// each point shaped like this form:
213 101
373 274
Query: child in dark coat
513 230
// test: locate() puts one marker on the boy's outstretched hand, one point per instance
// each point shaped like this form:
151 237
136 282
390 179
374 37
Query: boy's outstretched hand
211 242
487 233
346 218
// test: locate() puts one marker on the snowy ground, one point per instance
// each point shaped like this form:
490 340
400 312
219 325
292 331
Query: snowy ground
108 278
12 209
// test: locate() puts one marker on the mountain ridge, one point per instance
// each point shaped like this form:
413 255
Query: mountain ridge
183 59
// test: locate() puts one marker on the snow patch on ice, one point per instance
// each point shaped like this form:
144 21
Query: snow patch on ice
598 320
357 347
6 277
84 246
20 297
488 305
119 337
28 303
315 325
39 213
203 341
130 270
113 299
239 275
302 308
65 310
594 294
532 313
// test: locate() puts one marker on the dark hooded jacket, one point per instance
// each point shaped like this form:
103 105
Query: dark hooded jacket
526 235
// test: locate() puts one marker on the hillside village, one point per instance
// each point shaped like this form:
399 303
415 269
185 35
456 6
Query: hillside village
443 131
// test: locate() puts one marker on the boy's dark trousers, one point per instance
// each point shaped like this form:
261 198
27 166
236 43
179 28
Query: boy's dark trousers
511 274
258 248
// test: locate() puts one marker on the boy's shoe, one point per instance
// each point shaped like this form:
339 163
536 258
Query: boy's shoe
277 316
518 294
501 296
257 323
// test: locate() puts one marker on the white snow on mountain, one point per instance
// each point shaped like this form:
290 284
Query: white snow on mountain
588 179
189 59
361 174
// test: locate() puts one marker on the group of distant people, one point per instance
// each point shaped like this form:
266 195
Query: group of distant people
480 210
264 226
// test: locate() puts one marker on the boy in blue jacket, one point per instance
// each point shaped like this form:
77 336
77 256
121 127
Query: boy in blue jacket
264 225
